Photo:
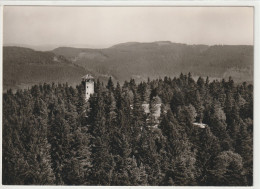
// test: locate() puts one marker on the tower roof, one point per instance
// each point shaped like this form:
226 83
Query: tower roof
87 77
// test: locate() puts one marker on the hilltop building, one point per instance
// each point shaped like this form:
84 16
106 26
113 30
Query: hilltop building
88 81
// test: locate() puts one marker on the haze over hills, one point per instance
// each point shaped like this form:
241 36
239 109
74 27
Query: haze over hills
34 47
50 47
24 67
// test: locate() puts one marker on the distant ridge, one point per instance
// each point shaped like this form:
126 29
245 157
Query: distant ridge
24 67
51 47
158 59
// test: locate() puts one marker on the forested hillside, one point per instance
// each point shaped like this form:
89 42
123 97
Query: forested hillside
23 67
163 58
52 136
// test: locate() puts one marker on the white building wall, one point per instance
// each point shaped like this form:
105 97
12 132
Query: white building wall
89 89
157 112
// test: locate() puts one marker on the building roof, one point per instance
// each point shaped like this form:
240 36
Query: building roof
200 125
87 77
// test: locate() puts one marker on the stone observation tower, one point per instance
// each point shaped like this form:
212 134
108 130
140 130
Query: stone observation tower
88 81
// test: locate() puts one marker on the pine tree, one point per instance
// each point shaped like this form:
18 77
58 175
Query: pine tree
110 85
102 160
227 170
245 149
59 139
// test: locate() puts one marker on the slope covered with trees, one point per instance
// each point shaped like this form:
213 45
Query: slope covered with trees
52 136
163 58
23 67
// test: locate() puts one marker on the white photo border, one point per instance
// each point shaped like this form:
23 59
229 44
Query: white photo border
147 3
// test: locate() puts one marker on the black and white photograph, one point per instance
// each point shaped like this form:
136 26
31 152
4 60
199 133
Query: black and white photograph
127 95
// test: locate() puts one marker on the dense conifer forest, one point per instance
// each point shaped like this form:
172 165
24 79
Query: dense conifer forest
51 136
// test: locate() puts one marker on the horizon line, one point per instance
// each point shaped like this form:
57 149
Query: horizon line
98 46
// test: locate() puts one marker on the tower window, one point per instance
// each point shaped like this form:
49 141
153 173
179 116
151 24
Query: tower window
87 86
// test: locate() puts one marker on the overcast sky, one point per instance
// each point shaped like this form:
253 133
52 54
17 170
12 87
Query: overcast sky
105 26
